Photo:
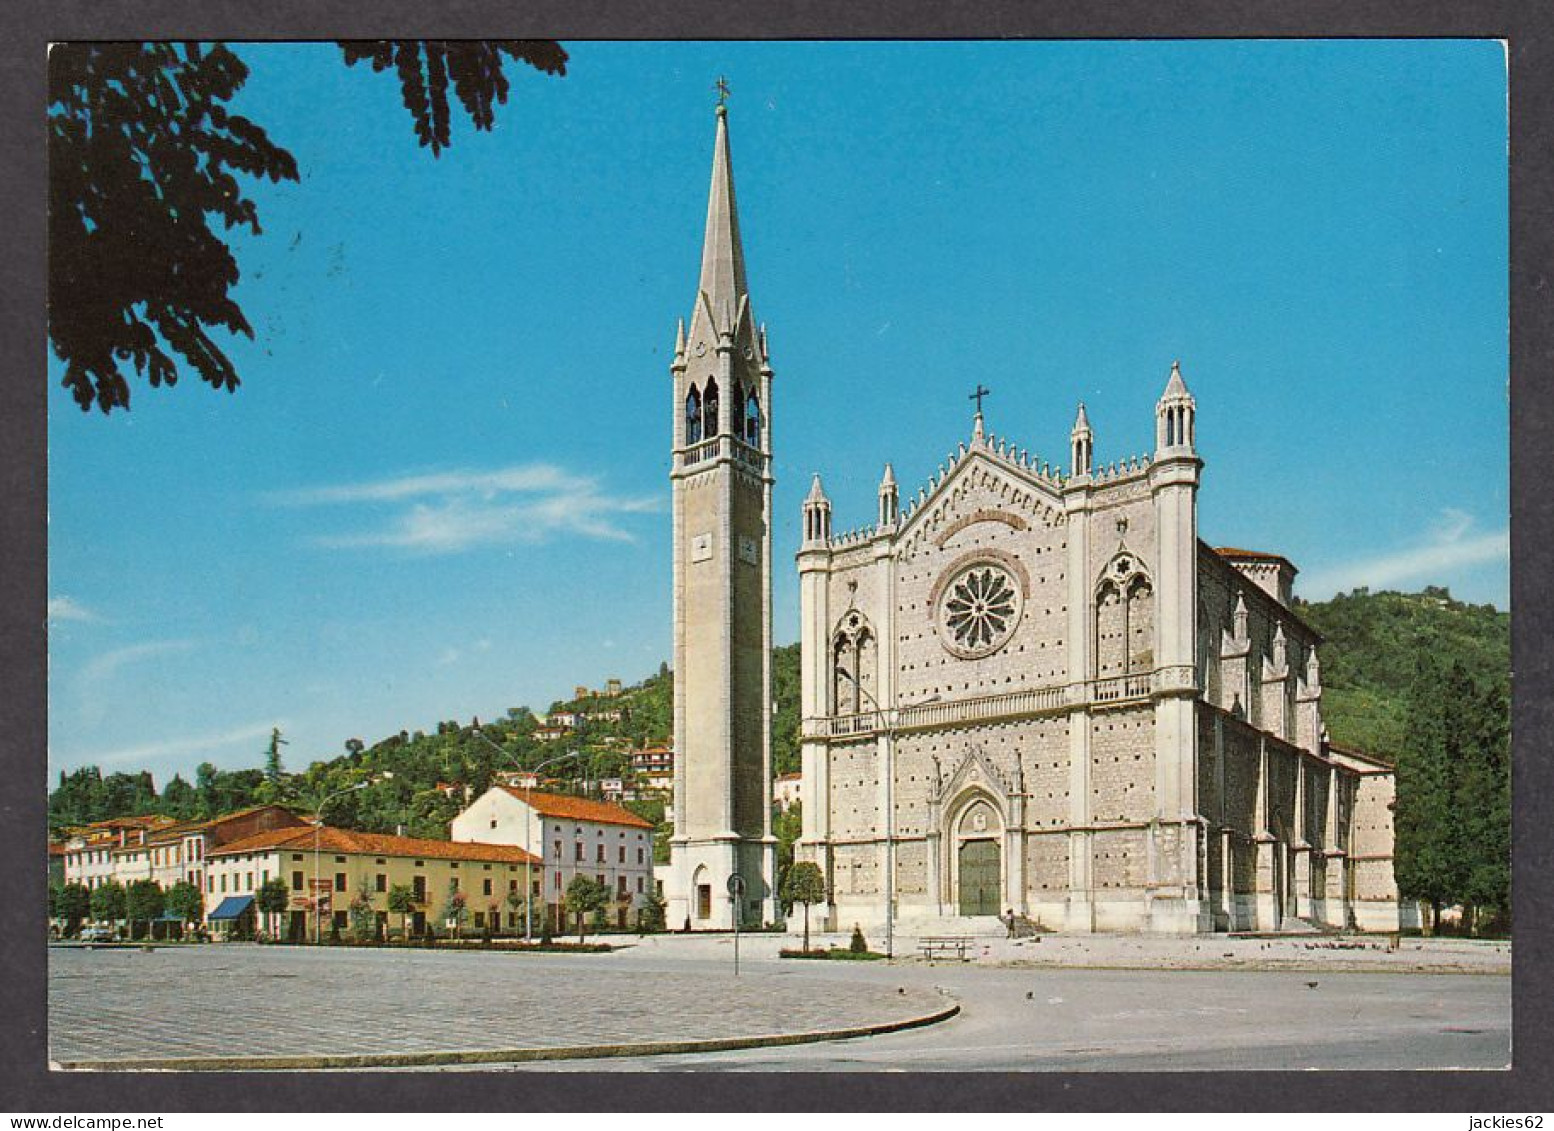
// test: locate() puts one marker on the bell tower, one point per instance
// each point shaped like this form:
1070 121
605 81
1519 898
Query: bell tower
721 484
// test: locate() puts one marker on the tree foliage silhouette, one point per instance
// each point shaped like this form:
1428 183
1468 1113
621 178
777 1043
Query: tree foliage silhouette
143 155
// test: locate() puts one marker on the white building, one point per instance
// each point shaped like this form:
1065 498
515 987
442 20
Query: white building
572 836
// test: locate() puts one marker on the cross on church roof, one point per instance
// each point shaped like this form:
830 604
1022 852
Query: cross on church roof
978 395
721 86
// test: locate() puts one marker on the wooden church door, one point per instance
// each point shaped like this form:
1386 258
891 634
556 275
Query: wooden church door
979 878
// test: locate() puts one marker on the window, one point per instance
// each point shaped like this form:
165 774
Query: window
380 860
248 881
558 850
753 420
493 822
487 890
480 919
296 881
210 882
382 882
623 854
558 881
639 885
599 857
621 887
512 885
339 859
296 856
579 853
709 409
223 881
693 416
419 885
600 878
639 855
339 881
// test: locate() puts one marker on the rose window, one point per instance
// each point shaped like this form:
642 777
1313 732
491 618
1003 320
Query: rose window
979 609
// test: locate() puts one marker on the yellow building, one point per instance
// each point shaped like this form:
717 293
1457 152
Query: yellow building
337 865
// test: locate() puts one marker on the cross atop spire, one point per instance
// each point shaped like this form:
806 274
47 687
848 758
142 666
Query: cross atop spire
721 86
977 395
722 256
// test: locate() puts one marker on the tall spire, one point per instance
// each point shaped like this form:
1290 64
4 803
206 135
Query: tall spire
722 255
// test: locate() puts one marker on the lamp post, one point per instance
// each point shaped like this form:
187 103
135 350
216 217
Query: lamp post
318 824
888 719
528 808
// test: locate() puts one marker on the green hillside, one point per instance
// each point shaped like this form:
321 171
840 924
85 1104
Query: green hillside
1372 650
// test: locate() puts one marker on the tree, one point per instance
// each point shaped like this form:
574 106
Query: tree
184 900
456 909
652 916
585 895
74 904
143 150
804 883
364 921
1426 852
272 898
108 902
143 902
401 901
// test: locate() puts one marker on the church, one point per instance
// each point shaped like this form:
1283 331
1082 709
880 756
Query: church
1029 689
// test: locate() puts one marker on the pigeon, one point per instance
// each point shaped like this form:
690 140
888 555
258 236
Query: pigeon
1311 985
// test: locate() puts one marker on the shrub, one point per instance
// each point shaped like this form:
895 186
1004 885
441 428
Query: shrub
858 944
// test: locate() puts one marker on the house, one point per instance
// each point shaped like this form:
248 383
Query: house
158 848
325 869
654 759
573 836
787 789
567 720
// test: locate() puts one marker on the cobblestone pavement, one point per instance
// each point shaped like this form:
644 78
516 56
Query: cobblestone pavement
244 1000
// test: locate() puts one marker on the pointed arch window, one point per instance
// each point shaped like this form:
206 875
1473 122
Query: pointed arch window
736 411
753 420
693 416
709 409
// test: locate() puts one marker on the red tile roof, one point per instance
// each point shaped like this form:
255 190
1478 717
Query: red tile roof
577 808
378 844
1251 555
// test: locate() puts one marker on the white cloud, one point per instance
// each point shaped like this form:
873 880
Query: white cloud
1455 543
106 665
445 512
172 746
68 608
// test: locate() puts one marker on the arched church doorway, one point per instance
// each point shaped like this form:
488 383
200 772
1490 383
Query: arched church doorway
978 859
979 877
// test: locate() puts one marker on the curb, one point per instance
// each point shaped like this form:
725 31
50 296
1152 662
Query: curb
491 1056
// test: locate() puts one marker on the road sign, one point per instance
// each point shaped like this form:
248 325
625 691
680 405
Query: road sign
736 885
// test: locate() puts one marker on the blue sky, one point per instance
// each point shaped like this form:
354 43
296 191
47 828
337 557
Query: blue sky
442 488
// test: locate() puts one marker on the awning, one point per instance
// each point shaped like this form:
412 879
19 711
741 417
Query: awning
231 907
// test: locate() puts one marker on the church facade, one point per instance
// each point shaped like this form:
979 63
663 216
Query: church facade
1036 691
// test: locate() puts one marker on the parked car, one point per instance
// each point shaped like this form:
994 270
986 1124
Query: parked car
96 934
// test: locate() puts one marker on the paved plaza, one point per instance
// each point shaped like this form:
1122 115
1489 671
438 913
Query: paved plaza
141 1008
1113 1004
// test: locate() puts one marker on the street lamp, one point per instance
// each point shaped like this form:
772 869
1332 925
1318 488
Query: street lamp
318 824
889 721
528 808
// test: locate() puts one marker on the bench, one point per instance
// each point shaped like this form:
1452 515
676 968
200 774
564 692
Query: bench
943 945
